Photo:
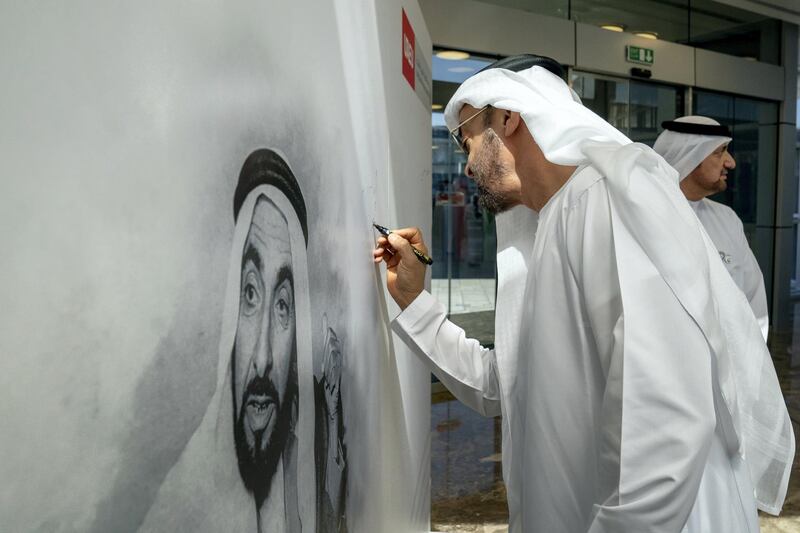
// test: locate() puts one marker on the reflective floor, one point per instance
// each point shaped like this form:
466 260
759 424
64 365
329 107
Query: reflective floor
465 295
467 491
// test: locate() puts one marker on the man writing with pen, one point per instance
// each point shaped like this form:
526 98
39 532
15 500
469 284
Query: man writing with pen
627 365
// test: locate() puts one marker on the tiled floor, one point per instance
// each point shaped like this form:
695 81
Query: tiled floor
466 295
467 490
785 349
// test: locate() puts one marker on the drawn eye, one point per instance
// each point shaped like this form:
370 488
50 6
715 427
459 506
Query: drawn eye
283 308
251 295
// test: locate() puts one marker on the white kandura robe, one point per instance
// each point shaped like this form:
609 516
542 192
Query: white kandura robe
609 425
633 378
727 234
684 152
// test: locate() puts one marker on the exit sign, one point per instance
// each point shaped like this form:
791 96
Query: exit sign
637 54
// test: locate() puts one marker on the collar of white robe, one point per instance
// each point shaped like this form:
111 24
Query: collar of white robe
650 212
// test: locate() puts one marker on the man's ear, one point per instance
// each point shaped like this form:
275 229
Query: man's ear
511 122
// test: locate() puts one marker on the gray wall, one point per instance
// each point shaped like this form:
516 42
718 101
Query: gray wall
123 132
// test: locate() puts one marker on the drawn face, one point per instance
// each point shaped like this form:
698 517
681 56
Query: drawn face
264 355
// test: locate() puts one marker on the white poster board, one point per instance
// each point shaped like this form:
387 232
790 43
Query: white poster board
192 334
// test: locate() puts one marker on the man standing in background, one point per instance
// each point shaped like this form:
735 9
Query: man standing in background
697 147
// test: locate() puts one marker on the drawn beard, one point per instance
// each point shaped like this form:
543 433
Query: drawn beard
259 450
489 171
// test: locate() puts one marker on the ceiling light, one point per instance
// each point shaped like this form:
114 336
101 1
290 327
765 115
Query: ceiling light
613 27
647 35
452 55
434 147
435 107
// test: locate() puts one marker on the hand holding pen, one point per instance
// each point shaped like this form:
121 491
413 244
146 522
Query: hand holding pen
405 269
423 257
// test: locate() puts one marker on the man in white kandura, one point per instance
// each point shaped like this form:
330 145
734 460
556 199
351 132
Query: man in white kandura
636 389
697 147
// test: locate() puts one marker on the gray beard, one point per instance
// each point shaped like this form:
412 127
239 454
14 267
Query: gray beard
491 201
489 171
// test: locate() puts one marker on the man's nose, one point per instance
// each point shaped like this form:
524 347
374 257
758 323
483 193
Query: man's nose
468 170
730 162
263 356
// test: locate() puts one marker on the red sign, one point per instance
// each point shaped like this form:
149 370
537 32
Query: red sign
408 51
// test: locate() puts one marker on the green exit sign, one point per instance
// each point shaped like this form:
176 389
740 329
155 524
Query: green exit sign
637 54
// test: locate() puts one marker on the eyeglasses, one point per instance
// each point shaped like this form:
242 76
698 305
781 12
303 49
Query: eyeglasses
455 133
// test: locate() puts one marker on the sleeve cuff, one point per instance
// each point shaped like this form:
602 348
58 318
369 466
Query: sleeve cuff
417 310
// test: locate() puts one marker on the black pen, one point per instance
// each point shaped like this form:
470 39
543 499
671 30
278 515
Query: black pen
421 256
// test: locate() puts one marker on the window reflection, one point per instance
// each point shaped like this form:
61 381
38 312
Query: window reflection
701 23
668 19
552 8
463 233
733 31
637 109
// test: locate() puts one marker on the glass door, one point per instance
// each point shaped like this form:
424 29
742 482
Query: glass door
751 187
637 109
634 107
463 241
